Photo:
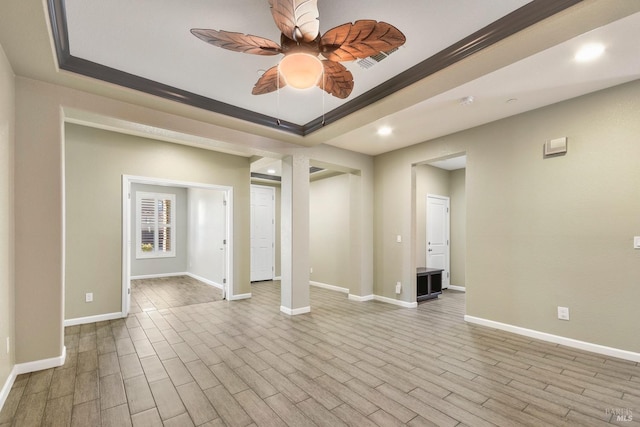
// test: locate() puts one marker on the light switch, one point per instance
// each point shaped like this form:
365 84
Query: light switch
563 313
399 238
636 242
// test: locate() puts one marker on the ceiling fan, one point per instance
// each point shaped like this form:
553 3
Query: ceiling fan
309 58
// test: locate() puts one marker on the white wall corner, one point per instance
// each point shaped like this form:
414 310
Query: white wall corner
295 311
556 339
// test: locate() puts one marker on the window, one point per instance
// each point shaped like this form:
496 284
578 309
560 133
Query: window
155 225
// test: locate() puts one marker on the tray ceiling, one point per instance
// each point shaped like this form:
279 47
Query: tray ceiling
147 44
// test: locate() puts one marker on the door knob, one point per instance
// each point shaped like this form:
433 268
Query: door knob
430 250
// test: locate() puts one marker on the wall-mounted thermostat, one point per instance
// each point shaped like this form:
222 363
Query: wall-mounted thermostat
555 146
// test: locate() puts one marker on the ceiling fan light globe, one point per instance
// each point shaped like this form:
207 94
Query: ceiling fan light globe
301 70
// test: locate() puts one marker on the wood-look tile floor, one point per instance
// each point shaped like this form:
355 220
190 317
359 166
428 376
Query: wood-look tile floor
168 292
346 363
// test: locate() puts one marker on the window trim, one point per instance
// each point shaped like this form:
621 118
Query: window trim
140 254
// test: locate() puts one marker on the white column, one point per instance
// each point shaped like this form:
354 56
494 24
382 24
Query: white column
295 235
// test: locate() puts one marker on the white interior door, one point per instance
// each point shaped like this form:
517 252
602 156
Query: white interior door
207 236
262 233
214 213
438 235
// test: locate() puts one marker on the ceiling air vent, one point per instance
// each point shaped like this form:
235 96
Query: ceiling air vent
372 60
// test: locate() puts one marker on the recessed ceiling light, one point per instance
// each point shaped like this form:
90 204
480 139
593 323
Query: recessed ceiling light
467 100
385 130
271 171
589 52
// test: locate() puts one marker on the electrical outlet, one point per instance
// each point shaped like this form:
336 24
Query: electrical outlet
398 288
88 297
8 344
399 238
311 270
563 313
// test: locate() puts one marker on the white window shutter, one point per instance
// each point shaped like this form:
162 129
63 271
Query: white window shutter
155 233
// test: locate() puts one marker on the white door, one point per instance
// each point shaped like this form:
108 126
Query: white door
207 235
215 227
438 235
262 233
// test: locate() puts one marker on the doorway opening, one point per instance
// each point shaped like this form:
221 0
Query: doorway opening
205 243
440 218
334 208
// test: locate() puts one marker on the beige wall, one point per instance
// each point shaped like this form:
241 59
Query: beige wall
7 108
40 112
95 161
38 224
329 239
541 233
458 220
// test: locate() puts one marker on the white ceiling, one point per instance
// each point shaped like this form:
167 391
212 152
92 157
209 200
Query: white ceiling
152 39
545 78
451 164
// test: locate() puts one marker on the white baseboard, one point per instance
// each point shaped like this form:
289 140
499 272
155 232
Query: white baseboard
277 278
156 276
395 301
295 311
556 339
457 288
239 296
39 365
23 368
330 287
93 319
383 299
6 388
205 281
359 298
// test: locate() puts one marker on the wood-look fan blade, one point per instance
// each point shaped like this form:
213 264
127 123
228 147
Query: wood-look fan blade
238 42
337 80
360 40
296 19
268 82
